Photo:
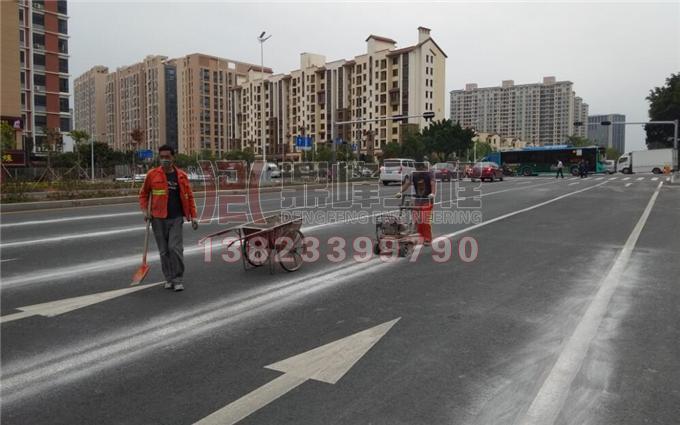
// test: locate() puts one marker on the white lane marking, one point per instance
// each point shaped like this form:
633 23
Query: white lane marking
628 184
613 178
552 394
625 178
130 260
41 372
328 363
8 259
62 238
55 308
600 178
640 178
655 179
523 210
66 219
571 184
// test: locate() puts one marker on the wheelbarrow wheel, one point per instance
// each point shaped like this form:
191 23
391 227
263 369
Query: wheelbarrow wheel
290 250
255 251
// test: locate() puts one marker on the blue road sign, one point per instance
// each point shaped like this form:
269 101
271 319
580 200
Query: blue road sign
145 154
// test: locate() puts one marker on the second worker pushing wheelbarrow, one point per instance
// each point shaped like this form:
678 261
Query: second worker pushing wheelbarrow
423 199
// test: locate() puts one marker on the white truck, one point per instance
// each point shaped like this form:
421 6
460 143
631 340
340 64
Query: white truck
653 160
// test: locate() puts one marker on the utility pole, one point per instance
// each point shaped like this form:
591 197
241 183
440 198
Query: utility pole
262 39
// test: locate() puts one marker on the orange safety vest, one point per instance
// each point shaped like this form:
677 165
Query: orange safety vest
156 185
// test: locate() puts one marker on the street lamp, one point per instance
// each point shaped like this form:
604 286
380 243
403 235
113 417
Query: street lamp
262 39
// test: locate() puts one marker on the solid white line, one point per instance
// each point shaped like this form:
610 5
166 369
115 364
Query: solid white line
39 373
131 260
65 219
628 184
62 238
552 394
8 259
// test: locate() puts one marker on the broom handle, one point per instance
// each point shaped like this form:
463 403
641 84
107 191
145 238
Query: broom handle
148 225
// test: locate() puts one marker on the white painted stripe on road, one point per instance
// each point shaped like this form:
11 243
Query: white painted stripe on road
133 260
628 184
640 178
7 259
625 178
613 178
655 179
66 219
600 178
62 238
523 210
555 389
571 184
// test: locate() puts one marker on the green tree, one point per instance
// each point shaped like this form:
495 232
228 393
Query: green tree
7 136
482 149
391 150
444 138
413 147
579 141
664 105
612 153
79 137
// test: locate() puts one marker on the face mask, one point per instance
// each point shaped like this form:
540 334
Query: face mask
166 162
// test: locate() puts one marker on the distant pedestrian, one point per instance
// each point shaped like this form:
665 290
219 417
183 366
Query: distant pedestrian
559 169
582 169
171 201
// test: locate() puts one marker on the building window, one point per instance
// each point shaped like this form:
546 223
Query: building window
40 121
63 66
63 26
39 41
39 79
65 124
63 85
40 100
61 7
38 20
38 60
63 104
63 46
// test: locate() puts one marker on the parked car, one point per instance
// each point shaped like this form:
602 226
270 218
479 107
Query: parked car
610 166
444 171
128 179
486 171
361 172
273 170
396 170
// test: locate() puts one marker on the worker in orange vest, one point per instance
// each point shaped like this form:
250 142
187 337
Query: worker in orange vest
171 202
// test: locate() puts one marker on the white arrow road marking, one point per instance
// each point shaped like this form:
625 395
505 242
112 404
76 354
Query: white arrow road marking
55 308
327 363
555 389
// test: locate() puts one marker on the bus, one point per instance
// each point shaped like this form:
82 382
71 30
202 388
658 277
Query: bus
531 161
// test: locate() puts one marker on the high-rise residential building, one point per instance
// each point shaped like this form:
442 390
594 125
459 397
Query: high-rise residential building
382 82
608 136
89 95
580 117
204 109
34 67
542 113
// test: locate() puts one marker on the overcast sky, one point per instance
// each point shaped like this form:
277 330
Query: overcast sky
613 52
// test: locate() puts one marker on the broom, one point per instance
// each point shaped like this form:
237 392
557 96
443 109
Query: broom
143 270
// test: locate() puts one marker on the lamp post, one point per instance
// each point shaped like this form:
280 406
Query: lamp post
92 156
262 39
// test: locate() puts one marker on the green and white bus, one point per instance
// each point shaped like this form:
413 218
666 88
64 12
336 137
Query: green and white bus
543 159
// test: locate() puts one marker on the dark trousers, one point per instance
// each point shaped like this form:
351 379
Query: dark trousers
169 240
559 173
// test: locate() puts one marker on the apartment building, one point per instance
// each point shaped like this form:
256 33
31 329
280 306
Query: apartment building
89 94
34 69
608 136
580 116
382 82
541 114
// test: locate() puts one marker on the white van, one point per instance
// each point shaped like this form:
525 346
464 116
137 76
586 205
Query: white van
396 170
653 160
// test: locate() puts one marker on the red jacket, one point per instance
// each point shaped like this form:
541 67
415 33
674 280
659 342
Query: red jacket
156 184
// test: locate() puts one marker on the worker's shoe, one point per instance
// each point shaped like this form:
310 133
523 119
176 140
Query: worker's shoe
168 285
178 287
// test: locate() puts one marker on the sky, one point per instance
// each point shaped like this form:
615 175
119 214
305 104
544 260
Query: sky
613 52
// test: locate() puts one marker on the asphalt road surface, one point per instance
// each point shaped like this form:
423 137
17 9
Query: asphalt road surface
556 302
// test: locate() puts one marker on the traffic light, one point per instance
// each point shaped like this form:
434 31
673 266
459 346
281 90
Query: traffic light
428 115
